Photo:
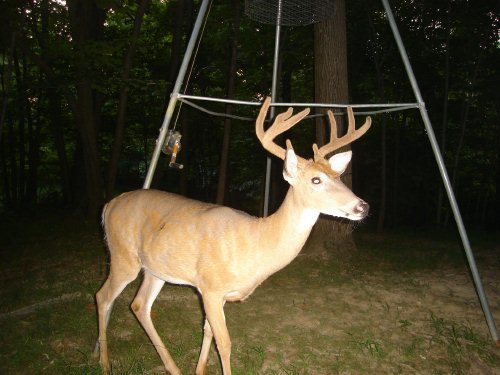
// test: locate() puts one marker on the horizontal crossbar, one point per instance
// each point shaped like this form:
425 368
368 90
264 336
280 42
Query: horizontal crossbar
382 108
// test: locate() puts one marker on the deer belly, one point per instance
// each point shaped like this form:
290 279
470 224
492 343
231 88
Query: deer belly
167 278
243 292
238 295
168 267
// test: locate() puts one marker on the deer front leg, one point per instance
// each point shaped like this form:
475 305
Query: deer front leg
141 306
214 310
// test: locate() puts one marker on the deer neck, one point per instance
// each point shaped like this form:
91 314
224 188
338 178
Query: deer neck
286 231
294 215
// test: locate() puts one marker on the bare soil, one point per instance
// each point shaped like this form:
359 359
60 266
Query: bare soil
394 306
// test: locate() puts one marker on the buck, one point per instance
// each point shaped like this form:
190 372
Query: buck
223 253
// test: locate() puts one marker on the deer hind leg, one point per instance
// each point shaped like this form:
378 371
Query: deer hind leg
120 275
205 348
214 310
141 306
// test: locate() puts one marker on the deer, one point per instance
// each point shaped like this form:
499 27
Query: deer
221 252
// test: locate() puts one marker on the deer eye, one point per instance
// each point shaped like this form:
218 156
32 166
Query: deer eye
316 180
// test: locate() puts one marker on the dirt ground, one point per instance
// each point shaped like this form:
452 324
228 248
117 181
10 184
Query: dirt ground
398 323
362 323
401 309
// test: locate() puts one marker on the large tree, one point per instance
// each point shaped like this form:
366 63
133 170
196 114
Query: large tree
331 86
230 90
86 19
124 92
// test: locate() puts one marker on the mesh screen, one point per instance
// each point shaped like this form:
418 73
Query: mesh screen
293 12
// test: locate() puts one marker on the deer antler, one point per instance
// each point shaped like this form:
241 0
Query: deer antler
282 123
335 142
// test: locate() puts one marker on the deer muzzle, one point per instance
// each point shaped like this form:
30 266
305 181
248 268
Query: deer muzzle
361 209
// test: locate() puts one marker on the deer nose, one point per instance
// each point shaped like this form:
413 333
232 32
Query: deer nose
362 208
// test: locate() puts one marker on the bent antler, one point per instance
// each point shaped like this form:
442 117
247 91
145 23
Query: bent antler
335 142
282 123
285 121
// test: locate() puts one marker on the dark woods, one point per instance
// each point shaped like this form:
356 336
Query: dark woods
84 86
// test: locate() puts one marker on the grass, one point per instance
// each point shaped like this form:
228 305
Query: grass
401 304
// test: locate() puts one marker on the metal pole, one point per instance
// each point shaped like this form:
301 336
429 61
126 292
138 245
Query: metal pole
282 104
175 92
274 89
444 175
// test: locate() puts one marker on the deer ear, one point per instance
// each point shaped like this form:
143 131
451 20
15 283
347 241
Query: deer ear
339 162
290 168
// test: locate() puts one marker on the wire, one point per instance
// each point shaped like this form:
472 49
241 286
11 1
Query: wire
388 108
193 58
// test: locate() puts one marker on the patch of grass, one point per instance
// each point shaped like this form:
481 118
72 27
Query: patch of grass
361 314
404 323
251 359
367 346
462 343
411 350
408 251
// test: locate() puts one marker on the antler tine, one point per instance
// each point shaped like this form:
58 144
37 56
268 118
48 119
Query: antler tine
282 123
352 133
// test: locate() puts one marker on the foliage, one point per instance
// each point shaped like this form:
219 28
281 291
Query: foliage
43 156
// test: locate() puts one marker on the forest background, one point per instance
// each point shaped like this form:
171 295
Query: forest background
84 87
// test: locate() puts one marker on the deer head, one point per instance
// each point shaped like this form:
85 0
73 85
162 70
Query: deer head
317 180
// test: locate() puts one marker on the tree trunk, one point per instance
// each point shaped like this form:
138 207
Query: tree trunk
444 123
378 62
395 181
7 79
383 177
21 104
331 86
87 21
33 155
88 135
472 81
6 197
463 128
230 88
122 104
54 109
493 222
383 150
13 180
181 29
